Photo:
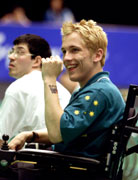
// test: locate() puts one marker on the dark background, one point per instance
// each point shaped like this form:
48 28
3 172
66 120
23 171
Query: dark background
102 11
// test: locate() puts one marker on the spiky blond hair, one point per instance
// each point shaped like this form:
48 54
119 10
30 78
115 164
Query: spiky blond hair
92 34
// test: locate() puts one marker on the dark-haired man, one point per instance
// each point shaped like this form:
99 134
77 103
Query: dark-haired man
23 108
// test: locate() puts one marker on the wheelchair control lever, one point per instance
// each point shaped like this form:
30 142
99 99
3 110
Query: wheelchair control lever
5 142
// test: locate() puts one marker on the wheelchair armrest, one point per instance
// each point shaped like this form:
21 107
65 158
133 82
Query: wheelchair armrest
38 146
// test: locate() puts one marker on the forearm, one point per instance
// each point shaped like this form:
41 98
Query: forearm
18 141
41 136
51 68
53 110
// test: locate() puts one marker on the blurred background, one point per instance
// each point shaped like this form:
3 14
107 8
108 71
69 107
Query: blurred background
119 20
107 12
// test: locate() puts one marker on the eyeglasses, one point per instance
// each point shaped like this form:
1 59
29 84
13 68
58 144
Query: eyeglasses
18 53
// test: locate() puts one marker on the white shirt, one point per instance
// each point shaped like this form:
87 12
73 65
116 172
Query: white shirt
22 108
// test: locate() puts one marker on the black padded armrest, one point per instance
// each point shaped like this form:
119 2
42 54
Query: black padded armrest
55 158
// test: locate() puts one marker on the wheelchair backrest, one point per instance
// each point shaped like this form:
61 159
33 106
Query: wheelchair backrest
120 135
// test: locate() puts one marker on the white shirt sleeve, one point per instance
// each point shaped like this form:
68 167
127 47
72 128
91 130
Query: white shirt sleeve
9 116
22 108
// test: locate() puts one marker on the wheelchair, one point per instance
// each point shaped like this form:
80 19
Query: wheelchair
47 164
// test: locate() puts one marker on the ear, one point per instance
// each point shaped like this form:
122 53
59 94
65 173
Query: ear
37 62
98 55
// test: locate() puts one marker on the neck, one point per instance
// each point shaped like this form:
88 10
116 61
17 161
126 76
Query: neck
82 84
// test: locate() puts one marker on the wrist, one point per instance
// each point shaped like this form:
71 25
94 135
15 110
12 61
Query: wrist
32 137
50 80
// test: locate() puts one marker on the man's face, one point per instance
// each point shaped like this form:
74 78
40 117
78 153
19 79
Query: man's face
77 58
20 61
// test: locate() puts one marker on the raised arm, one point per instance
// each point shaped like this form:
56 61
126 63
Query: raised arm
51 68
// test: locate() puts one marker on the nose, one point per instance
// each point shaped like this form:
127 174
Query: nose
12 56
67 57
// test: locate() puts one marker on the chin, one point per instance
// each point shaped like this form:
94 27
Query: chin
12 75
73 79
